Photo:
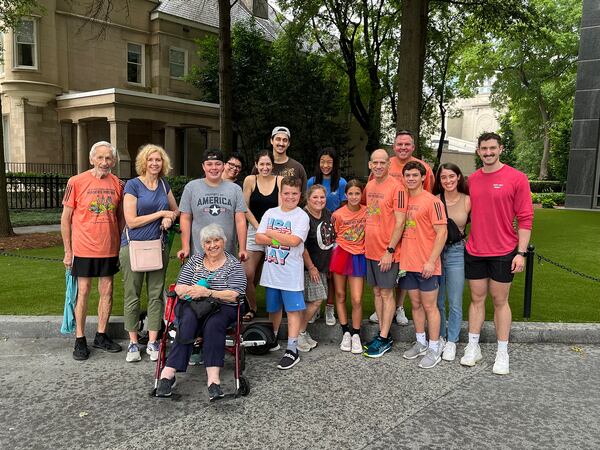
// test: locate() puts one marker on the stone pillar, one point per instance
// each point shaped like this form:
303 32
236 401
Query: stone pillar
83 152
118 138
583 180
66 140
170 147
212 140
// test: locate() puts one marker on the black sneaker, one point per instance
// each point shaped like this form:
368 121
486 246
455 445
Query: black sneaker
274 346
165 386
289 360
215 392
81 351
103 342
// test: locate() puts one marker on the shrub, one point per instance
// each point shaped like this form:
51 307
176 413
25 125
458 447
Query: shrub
548 202
177 184
557 198
545 186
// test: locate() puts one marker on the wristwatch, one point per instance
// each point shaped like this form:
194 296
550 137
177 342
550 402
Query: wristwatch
391 250
521 253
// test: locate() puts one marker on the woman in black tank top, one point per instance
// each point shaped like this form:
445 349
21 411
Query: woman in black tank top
261 192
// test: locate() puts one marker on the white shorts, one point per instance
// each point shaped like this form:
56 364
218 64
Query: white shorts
251 244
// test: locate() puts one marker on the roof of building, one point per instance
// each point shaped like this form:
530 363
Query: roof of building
206 12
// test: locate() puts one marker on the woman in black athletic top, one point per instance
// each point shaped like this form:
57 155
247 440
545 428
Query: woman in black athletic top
261 192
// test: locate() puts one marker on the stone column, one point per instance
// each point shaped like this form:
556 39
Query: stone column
583 180
118 138
170 147
83 152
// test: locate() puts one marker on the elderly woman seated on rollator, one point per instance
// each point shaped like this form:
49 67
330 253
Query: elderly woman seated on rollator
208 288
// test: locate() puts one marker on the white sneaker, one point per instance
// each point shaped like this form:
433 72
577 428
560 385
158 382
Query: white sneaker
329 315
501 363
472 355
152 350
449 351
303 345
346 344
315 316
373 317
357 347
133 353
401 316
310 340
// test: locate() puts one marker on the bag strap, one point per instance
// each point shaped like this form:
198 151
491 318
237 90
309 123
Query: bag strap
443 199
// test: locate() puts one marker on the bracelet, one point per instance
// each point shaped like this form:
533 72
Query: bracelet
274 242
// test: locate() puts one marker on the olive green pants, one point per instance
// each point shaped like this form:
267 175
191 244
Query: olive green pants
133 281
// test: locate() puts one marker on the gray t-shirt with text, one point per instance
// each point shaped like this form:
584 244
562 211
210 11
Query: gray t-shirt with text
208 205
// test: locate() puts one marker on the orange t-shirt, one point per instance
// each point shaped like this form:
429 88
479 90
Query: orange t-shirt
424 211
396 171
383 200
349 229
94 225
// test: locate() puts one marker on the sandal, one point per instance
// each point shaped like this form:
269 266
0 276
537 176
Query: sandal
249 316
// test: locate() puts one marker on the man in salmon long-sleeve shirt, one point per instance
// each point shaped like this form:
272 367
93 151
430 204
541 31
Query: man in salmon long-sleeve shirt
495 251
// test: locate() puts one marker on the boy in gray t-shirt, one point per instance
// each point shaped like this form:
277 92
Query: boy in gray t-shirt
211 200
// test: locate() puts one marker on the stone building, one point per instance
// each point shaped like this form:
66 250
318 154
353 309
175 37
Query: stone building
68 81
466 120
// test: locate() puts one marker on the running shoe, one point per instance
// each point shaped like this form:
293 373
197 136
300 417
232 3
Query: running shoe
378 347
501 365
133 353
346 344
289 360
401 316
472 355
415 351
329 315
152 350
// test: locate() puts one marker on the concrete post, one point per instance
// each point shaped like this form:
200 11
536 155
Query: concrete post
83 152
118 138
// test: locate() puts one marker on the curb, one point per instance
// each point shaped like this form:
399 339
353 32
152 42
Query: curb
44 327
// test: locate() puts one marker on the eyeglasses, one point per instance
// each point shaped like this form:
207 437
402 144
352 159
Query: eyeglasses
235 166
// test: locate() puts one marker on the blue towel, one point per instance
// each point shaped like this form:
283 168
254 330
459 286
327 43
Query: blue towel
68 324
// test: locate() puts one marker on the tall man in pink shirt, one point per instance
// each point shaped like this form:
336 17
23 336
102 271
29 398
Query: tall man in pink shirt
494 251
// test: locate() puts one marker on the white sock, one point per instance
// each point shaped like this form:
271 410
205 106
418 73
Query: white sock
503 346
473 338
421 338
434 345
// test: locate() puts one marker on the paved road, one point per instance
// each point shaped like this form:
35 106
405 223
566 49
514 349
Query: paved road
330 400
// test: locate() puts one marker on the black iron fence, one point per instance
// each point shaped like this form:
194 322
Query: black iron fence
40 168
35 192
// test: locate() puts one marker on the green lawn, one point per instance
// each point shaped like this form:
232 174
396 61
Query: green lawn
567 237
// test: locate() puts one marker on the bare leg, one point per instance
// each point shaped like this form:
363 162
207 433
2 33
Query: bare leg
356 290
168 372
378 302
105 289
294 321
417 310
479 290
400 296
250 266
311 309
275 319
429 304
340 297
213 375
502 312
388 310
84 285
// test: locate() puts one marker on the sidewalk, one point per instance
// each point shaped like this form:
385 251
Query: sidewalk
525 332
37 229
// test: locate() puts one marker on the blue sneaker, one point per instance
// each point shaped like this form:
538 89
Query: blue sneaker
378 347
197 357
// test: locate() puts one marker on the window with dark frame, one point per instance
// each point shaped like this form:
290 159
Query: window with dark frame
135 63
177 65
25 44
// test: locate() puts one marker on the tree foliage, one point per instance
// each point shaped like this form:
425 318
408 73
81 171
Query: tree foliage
533 64
276 84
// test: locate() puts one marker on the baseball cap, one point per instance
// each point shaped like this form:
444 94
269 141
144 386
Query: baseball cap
283 130
212 155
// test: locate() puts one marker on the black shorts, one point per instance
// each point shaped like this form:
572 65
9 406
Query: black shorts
498 268
95 267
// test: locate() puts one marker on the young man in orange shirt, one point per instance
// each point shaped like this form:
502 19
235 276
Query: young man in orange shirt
386 208
423 240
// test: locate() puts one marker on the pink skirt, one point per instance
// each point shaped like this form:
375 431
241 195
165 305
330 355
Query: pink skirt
345 263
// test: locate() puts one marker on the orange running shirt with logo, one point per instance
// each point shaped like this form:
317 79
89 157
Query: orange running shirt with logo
383 201
94 225
396 171
424 211
349 229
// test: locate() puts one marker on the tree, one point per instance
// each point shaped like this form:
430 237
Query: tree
534 69
225 86
357 35
275 83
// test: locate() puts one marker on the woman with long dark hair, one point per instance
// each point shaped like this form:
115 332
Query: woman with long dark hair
451 187
327 174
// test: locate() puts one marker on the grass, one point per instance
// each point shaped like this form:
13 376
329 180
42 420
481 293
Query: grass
570 238
27 217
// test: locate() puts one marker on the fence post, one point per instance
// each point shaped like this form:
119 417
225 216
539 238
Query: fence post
528 281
